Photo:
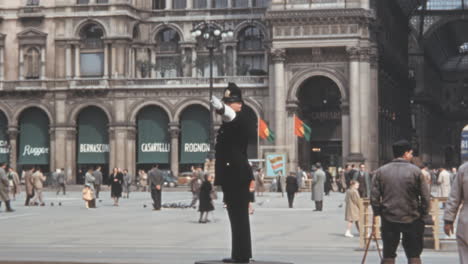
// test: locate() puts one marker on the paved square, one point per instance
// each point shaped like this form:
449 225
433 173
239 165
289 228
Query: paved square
131 233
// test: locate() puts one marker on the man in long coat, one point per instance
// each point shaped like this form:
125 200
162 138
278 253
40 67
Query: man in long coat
318 184
4 184
458 196
233 172
156 179
28 182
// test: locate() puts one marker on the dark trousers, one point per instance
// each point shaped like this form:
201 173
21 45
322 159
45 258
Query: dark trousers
318 205
97 189
237 203
61 186
413 235
291 199
28 198
156 196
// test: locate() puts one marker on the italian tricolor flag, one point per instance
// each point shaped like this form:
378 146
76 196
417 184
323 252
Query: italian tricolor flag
264 132
301 129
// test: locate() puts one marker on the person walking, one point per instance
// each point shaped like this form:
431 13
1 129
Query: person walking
444 183
116 180
206 202
403 208
97 174
281 182
259 182
61 181
4 185
318 183
328 182
89 183
299 177
352 207
38 180
156 181
143 180
14 181
456 205
127 183
28 182
292 187
233 171
195 185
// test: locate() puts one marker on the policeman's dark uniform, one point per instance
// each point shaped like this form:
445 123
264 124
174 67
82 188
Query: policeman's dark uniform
234 174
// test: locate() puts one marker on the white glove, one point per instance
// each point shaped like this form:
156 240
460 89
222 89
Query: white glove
229 114
216 103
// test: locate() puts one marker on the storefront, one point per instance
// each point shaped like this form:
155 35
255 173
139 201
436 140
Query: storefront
92 142
4 142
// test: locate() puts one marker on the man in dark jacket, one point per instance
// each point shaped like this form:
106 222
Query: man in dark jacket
364 179
401 198
233 172
156 179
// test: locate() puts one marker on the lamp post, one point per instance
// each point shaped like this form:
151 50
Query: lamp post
210 36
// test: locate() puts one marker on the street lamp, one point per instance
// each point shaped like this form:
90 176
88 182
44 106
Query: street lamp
210 35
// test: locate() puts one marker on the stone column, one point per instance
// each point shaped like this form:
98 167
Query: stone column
21 64
189 4
43 63
278 57
194 59
52 149
77 61
70 168
106 60
13 137
355 124
345 135
153 73
373 158
174 130
113 68
365 4
112 148
364 101
68 61
2 63
131 151
229 3
168 4
292 142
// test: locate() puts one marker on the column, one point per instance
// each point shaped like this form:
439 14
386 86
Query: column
189 4
364 101
106 60
13 137
68 62
129 62
113 68
77 61
70 167
43 63
365 4
345 135
174 131
194 60
131 151
153 61
21 64
229 3
374 110
354 108
2 63
291 142
52 149
278 57
168 4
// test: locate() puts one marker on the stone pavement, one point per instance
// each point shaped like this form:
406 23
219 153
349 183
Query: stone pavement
131 233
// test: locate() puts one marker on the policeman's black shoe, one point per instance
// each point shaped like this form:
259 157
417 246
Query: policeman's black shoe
234 260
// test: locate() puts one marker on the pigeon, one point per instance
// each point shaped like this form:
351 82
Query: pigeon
51 204
60 203
144 206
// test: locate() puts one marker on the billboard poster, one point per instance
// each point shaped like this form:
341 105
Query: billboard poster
274 164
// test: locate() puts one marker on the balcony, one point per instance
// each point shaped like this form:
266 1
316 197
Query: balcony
314 4
31 13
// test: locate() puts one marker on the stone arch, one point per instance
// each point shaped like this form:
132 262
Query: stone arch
257 24
75 112
160 27
299 78
189 102
80 25
254 106
19 111
138 106
7 113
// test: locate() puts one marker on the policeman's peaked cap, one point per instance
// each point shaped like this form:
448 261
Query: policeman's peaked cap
232 94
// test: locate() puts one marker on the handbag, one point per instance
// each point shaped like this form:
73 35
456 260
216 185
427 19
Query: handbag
88 194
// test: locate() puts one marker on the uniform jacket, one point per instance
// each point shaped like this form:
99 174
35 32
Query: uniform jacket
458 196
232 167
399 192
318 184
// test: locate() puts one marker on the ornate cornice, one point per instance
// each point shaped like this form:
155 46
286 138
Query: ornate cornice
354 53
278 55
318 16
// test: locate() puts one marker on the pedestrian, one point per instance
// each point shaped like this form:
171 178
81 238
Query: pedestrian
233 171
364 179
453 174
456 204
97 174
349 174
401 198
280 182
426 176
328 182
259 182
116 180
144 180
127 182
252 199
299 177
14 181
341 180
292 187
444 183
61 181
38 180
156 181
28 182
206 202
4 184
195 185
352 207
88 191
318 183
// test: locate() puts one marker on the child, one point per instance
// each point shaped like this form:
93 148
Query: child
352 207
206 205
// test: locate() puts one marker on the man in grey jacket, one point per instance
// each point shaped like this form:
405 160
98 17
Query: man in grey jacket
97 174
61 181
4 184
318 186
156 179
401 198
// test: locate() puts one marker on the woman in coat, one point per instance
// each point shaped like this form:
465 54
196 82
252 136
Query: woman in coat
206 204
352 207
291 188
116 179
259 182
444 183
89 183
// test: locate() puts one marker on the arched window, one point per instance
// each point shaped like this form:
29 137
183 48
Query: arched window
92 51
167 53
32 62
251 53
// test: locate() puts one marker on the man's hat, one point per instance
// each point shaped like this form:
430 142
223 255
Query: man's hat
400 147
232 94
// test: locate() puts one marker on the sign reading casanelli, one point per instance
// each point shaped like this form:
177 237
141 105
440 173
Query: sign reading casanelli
155 147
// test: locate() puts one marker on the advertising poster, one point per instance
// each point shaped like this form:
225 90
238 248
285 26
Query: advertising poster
274 164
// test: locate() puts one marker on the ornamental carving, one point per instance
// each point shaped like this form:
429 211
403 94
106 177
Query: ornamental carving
353 53
278 54
365 54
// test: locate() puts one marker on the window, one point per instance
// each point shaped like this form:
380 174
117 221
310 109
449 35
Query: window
82 2
251 53
200 4
168 60
159 4
219 4
240 3
32 3
32 63
168 41
260 3
102 1
92 51
179 4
